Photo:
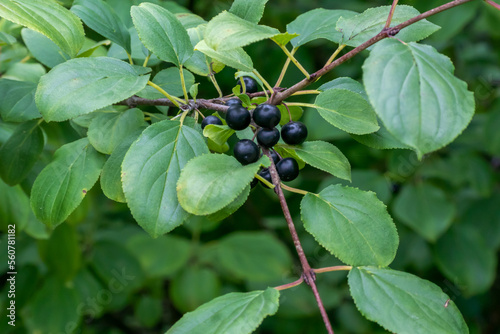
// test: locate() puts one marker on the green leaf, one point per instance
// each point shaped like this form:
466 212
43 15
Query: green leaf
347 110
212 181
6 39
483 216
227 31
194 287
62 184
381 140
49 18
231 208
219 134
358 29
61 253
31 72
287 151
352 224
435 106
108 130
20 153
160 257
345 83
424 208
148 310
55 301
111 176
325 156
234 312
471 265
100 17
403 303
295 111
284 38
251 11
198 62
162 33
254 256
189 20
43 49
150 172
14 207
169 80
80 86
236 58
318 23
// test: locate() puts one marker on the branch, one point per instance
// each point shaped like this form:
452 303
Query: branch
307 273
391 13
493 3
380 36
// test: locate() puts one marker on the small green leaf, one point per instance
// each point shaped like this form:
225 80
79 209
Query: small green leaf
210 182
199 63
111 176
352 224
345 83
325 156
169 80
424 208
284 38
254 256
235 312
160 257
436 106
80 86
404 303
471 265
20 153
251 11
193 90
193 287
317 23
49 18
31 72
162 33
227 31
7 39
347 111
189 20
108 130
295 111
219 134
62 184
231 208
14 207
101 17
381 140
236 58
43 49
150 172
61 308
358 29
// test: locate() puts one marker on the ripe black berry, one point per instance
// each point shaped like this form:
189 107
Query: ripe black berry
268 137
266 115
210 120
233 101
237 117
294 133
246 151
251 86
288 169
266 174
275 156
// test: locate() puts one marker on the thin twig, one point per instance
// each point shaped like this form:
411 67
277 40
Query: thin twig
493 3
391 13
329 269
290 285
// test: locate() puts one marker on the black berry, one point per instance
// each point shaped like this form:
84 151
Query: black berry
237 117
266 115
210 120
233 101
251 86
246 151
275 156
294 133
268 137
266 174
288 169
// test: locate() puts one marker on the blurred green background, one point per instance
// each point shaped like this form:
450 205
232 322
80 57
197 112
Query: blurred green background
101 273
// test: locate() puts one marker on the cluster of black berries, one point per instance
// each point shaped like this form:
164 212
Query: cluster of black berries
266 116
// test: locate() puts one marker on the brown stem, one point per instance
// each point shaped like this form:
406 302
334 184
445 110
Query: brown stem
391 13
290 285
493 3
307 273
380 36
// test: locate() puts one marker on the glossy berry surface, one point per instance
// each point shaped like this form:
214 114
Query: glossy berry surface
288 169
266 174
266 115
246 151
251 86
275 157
210 120
268 137
233 101
294 133
237 117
